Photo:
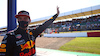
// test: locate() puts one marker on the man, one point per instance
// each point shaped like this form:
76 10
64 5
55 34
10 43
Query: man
21 42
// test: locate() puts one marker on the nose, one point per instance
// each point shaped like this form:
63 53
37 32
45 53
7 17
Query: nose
21 19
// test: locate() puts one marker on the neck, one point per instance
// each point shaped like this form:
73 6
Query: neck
23 28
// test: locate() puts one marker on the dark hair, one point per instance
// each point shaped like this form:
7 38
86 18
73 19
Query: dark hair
23 12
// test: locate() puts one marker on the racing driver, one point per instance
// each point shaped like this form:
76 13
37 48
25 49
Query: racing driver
21 41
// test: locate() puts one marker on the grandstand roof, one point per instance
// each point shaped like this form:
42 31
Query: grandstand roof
71 14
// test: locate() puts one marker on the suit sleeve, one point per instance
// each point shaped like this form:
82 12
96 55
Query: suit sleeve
42 27
7 46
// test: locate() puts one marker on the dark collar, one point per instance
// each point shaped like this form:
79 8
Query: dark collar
21 31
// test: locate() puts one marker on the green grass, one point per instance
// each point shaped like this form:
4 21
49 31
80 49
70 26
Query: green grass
83 44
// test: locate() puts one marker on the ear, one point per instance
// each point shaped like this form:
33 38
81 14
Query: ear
29 21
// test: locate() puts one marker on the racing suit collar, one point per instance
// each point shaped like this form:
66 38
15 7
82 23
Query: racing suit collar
22 30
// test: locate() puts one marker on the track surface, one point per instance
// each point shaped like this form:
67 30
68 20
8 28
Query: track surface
52 43
1 37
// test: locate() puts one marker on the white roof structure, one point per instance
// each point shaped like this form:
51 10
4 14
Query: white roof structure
71 14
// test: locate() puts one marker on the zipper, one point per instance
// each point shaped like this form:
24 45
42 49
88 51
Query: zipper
30 41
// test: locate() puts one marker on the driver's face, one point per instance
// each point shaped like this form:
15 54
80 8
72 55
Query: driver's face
23 18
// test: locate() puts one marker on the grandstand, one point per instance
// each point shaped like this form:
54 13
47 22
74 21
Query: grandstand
82 24
85 19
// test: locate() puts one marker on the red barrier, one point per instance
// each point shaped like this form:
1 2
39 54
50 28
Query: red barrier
93 34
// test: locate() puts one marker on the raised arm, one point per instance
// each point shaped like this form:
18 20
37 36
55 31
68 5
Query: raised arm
42 27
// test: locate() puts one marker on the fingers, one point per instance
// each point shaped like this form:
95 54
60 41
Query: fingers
57 10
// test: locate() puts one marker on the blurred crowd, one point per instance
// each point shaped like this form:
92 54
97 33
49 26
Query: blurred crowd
82 24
